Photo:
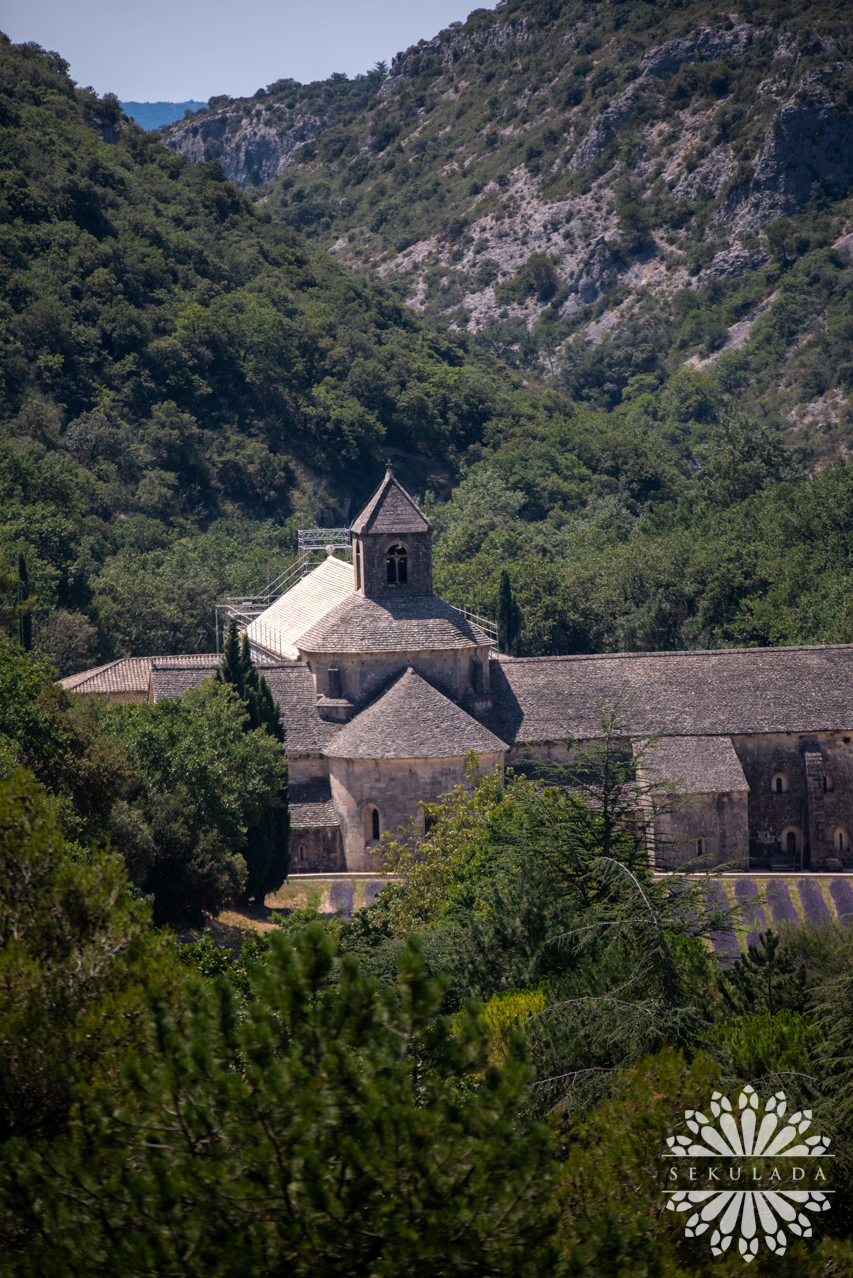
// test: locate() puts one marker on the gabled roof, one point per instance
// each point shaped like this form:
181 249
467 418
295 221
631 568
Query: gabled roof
391 510
724 691
697 765
290 683
128 675
412 720
301 607
399 623
170 679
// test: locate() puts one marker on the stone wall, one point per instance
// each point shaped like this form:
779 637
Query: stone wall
366 675
373 548
306 767
817 816
317 850
720 821
394 787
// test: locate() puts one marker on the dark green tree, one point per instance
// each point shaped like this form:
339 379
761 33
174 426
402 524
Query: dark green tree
360 1134
766 979
267 852
26 603
76 954
509 617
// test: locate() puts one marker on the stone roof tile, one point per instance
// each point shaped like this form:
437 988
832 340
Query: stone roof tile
301 607
697 765
725 691
128 675
390 510
170 680
292 686
311 805
412 720
399 623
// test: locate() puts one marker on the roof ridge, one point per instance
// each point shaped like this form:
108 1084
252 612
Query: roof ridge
671 653
366 517
435 726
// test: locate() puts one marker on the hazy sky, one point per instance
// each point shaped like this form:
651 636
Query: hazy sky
164 50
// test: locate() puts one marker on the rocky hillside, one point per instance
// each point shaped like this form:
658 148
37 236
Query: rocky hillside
549 175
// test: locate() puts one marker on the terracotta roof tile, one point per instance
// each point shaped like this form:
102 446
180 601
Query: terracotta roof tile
400 623
725 691
412 720
390 510
128 675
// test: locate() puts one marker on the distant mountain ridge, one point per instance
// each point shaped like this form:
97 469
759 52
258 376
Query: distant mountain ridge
156 115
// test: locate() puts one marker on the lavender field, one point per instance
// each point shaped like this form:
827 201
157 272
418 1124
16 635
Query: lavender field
768 902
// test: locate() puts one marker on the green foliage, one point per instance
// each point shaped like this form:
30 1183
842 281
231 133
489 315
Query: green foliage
202 782
510 620
76 956
782 1042
267 849
349 1142
766 979
614 1218
171 355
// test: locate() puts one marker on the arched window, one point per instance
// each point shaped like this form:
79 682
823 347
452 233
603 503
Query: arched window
779 784
701 847
397 565
828 783
301 851
358 565
840 842
375 821
791 843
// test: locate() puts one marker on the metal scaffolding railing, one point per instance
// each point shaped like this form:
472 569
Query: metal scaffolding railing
314 544
485 623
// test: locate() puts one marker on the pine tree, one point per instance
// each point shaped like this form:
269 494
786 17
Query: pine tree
332 1129
267 851
509 617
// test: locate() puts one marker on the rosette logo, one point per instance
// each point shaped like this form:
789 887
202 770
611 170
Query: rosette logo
748 1173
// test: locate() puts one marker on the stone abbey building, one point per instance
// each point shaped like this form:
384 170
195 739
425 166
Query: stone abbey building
384 690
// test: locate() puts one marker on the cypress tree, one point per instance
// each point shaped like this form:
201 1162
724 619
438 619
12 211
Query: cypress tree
25 625
268 837
509 617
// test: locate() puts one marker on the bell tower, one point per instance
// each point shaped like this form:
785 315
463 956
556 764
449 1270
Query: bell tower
392 544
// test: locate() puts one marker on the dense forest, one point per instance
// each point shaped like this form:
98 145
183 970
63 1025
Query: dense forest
475 1076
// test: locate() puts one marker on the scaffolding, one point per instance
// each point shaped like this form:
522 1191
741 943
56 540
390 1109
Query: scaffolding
314 545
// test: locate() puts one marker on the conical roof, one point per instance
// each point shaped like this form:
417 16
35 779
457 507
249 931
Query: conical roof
396 623
390 510
412 720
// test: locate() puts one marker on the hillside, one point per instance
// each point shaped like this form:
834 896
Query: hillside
185 377
182 379
596 191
